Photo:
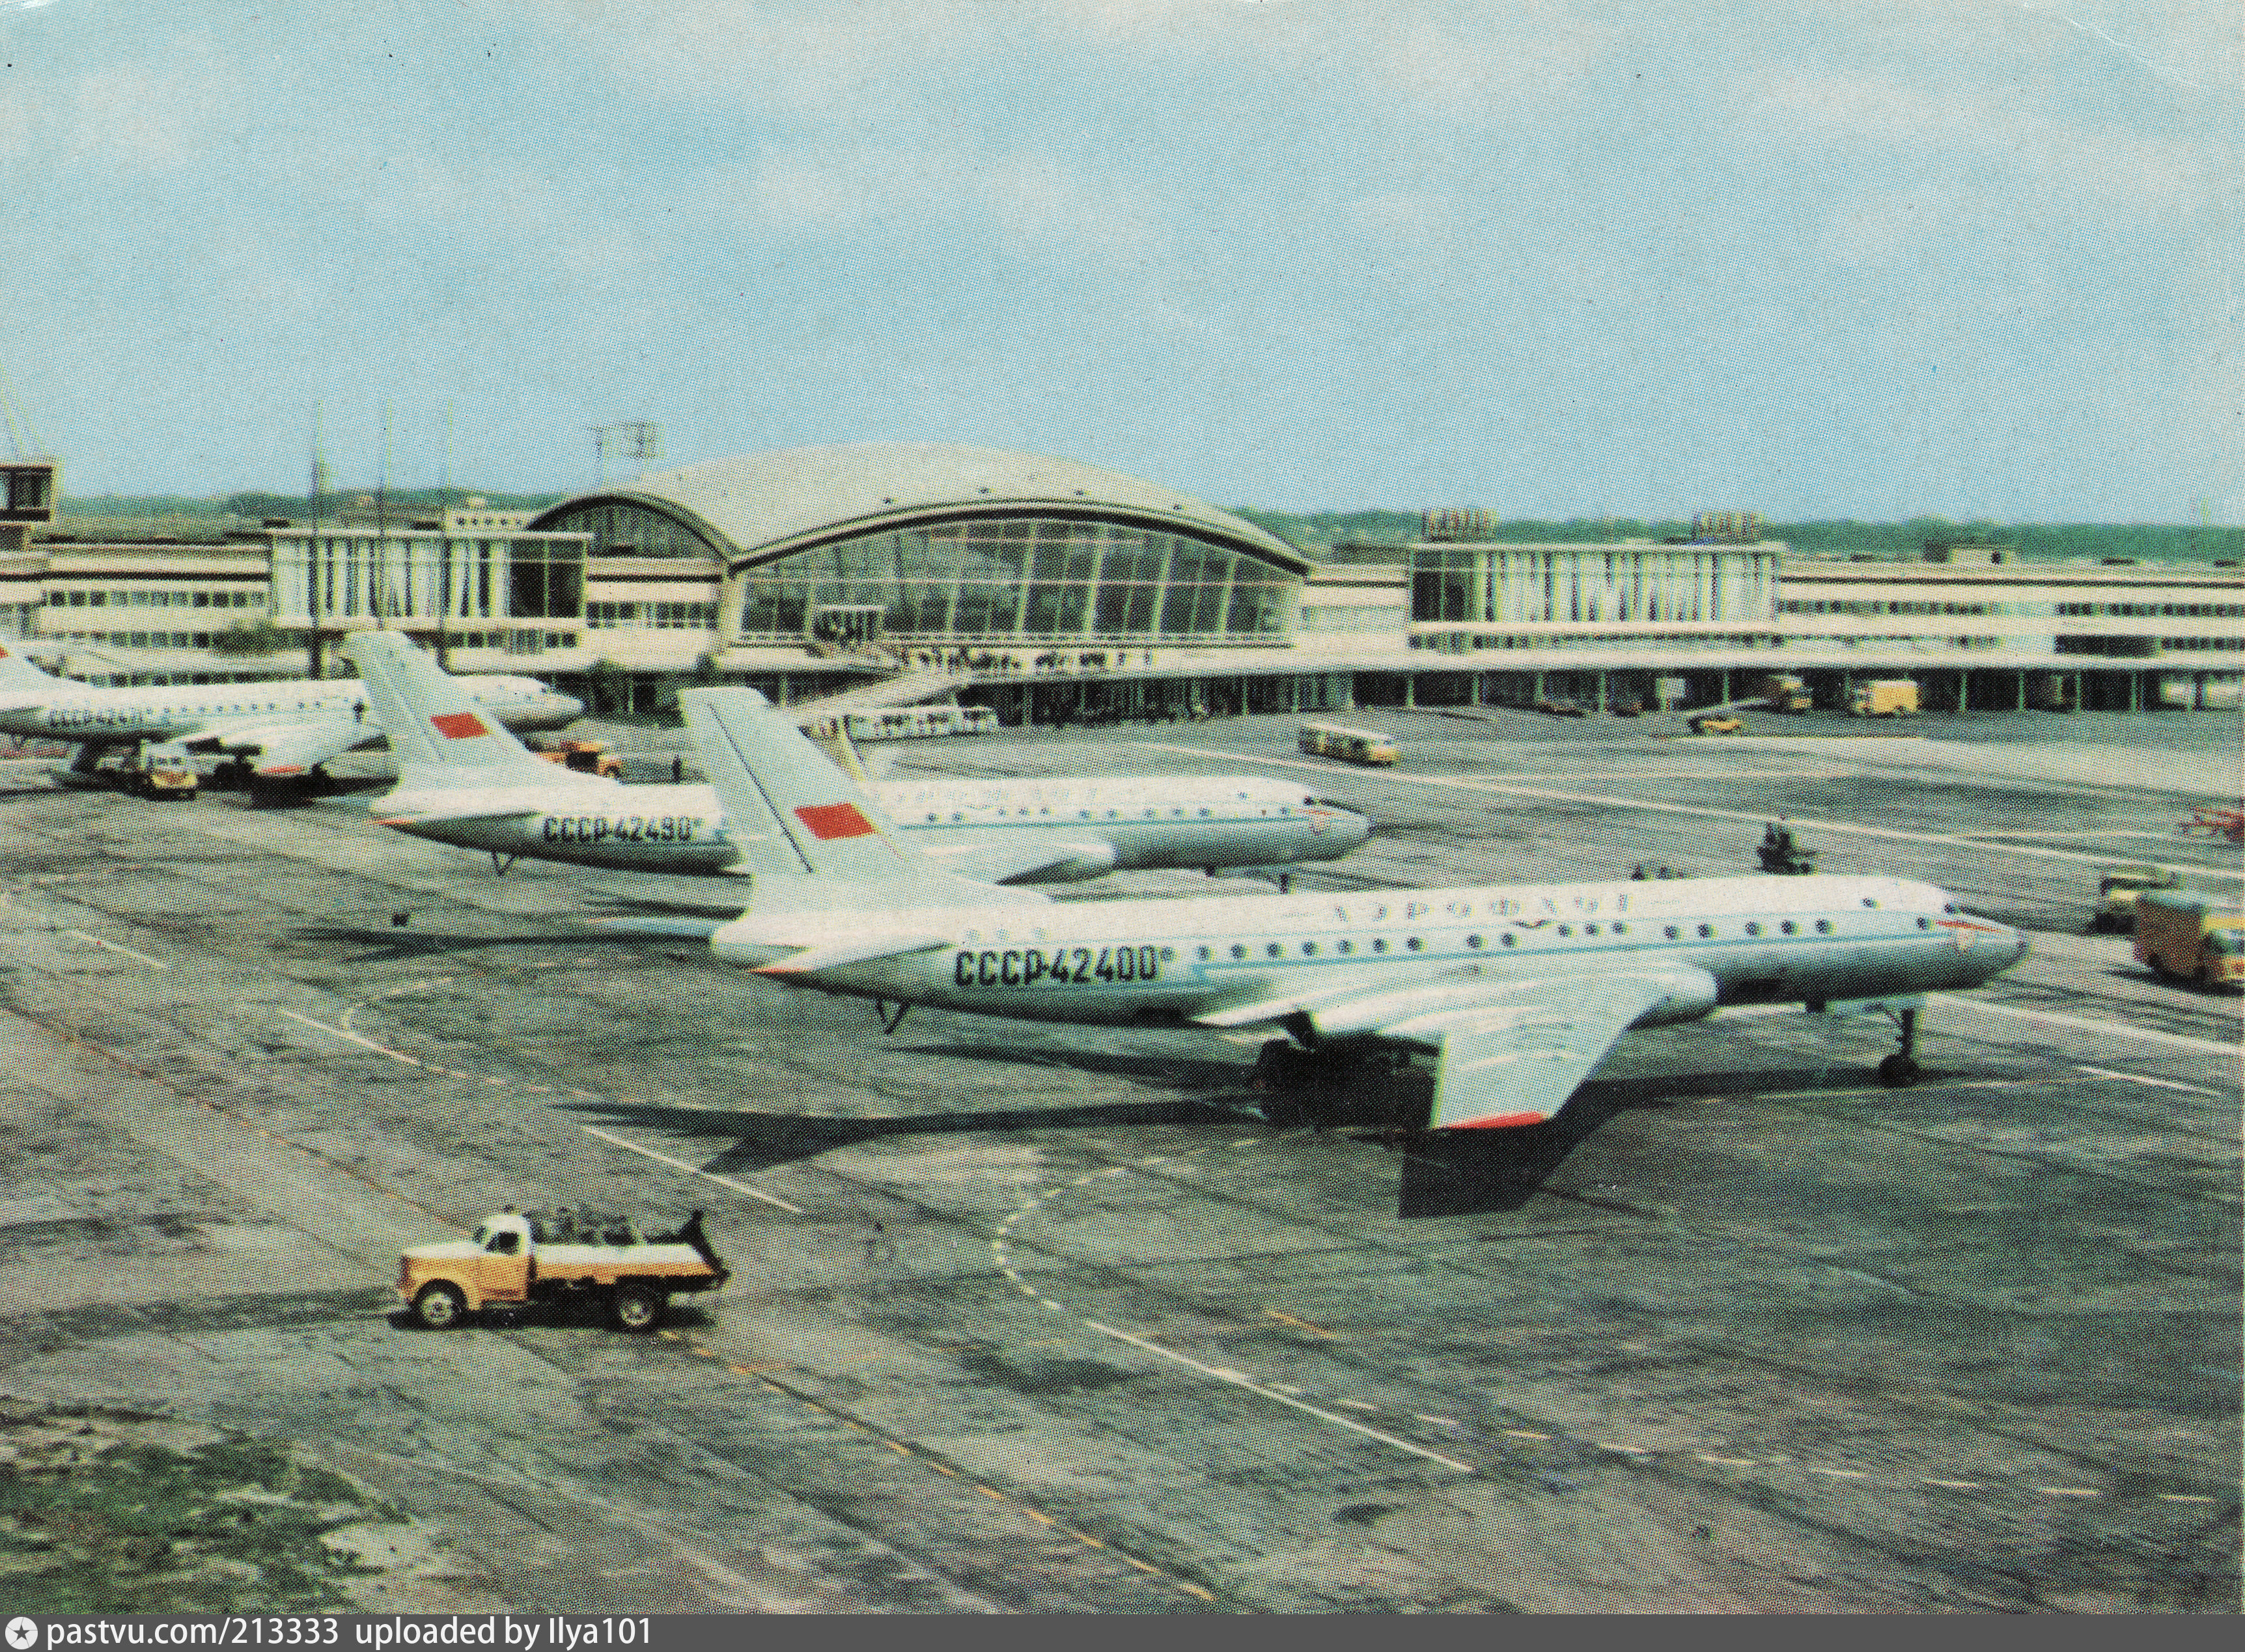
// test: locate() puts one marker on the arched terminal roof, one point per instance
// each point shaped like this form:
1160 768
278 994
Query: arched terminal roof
767 506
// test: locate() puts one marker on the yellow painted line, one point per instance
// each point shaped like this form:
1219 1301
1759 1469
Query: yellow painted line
901 1451
1089 1542
1631 1451
1958 1486
1040 1516
940 1469
994 1496
1726 1462
1301 1324
2068 1491
2182 1497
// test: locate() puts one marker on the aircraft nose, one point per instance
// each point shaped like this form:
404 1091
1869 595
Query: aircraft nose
568 705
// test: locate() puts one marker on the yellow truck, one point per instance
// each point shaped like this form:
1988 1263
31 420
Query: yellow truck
1887 697
559 1256
2186 935
1781 691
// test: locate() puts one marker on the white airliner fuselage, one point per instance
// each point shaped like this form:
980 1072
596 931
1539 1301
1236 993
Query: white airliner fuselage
1062 829
289 726
1811 941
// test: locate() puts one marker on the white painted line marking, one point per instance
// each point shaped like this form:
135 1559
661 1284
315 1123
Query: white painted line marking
1837 1473
365 1043
2182 1497
111 946
2110 1029
1606 801
2068 1491
1438 1422
1526 1433
1632 1451
1238 1381
1726 1462
1958 1486
2140 1078
1356 1405
691 1170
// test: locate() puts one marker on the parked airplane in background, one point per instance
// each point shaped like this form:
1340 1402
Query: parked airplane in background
1517 991
277 731
461 781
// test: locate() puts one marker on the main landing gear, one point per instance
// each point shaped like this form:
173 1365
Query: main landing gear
1900 1070
1315 1085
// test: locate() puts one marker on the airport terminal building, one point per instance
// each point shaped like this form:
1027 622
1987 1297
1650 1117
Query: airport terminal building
1054 591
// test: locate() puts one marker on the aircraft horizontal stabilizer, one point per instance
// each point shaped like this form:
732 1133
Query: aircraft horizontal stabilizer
655 928
864 950
297 746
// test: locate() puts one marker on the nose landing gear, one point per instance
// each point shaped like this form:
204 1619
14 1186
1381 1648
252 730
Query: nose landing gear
1900 1070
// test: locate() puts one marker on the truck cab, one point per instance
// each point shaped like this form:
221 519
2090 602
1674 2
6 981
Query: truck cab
2119 889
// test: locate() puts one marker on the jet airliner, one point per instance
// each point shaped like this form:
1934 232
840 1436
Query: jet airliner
462 782
1517 991
281 730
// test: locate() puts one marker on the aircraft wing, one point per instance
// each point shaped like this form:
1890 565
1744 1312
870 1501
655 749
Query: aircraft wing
1510 1050
288 745
1011 862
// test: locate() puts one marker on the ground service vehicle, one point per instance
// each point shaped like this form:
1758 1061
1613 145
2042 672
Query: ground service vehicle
1785 694
1718 723
2182 933
1888 697
583 757
1350 745
2214 820
2117 892
559 1256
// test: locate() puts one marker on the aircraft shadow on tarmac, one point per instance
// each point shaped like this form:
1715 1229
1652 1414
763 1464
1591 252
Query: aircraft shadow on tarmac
403 941
764 1140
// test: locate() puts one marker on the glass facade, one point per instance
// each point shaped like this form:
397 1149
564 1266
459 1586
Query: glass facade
633 530
1565 585
422 576
1022 578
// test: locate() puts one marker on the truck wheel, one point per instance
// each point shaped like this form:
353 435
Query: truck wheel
638 1308
440 1306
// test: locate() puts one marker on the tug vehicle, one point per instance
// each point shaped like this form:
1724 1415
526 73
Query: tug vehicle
520 1257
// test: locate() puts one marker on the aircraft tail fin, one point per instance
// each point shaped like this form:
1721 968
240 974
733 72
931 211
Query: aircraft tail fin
439 734
793 813
18 673
810 837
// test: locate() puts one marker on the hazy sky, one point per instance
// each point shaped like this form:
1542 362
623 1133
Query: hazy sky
1875 258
